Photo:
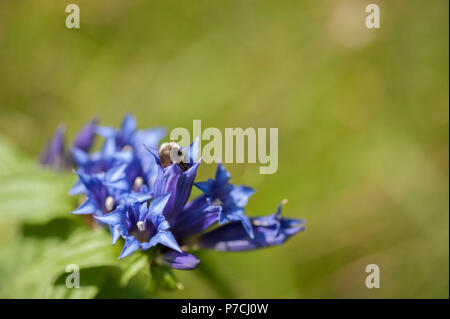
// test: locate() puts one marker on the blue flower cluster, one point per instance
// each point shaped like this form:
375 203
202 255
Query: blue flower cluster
141 195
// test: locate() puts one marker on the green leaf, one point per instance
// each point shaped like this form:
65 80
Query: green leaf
36 264
31 193
133 265
35 204
163 278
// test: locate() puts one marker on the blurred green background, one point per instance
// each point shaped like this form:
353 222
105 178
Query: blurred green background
362 117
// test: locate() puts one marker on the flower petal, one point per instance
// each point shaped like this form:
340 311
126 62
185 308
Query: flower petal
164 238
153 151
150 137
88 207
105 131
53 153
183 190
268 231
197 216
241 194
80 157
130 246
115 217
77 188
140 197
116 173
85 137
222 175
205 187
180 260
109 148
245 221
129 126
192 151
158 204
116 232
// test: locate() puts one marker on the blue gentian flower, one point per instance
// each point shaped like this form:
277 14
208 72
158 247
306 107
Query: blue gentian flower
268 231
124 146
55 154
141 193
128 137
231 198
102 191
101 162
85 137
141 226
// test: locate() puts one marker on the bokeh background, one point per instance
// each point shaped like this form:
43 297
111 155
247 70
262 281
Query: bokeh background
362 117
